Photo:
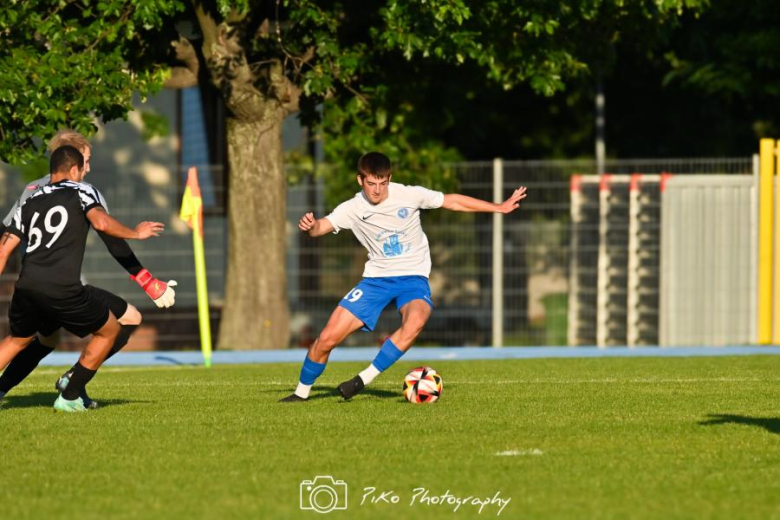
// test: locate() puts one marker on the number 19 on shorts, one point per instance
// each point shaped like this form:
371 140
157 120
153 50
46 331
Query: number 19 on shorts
353 295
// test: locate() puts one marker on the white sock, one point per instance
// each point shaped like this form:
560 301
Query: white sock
303 391
369 374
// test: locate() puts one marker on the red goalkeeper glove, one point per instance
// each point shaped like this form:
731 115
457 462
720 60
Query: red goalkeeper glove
161 293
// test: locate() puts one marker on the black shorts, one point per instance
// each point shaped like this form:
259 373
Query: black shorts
116 305
81 313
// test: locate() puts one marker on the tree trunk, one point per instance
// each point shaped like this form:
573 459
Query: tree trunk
256 314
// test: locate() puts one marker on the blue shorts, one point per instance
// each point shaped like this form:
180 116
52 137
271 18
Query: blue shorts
369 298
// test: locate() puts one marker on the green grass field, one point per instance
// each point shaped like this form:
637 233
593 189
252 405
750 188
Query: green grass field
572 438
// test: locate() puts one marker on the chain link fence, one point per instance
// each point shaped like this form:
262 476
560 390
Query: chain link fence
537 249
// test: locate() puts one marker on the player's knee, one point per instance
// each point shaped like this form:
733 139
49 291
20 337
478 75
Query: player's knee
110 329
114 328
16 344
131 316
325 342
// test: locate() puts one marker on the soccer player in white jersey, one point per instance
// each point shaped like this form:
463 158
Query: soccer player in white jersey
385 217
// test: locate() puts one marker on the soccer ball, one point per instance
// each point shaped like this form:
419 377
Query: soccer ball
422 385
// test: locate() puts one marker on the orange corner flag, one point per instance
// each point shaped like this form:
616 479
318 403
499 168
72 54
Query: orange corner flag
192 203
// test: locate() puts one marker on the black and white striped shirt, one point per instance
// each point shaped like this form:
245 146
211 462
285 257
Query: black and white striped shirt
53 222
31 188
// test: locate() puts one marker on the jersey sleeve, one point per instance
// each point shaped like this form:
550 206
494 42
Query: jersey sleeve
428 199
15 226
90 198
10 217
28 191
342 217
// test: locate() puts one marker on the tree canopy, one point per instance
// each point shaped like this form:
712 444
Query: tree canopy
66 62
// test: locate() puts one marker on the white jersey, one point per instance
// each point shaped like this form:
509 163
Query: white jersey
391 230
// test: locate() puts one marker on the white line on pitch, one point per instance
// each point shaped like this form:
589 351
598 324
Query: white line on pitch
519 453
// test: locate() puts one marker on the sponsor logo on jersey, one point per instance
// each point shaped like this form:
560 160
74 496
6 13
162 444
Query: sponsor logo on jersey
392 247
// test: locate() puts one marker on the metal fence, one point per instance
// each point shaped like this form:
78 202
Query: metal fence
536 243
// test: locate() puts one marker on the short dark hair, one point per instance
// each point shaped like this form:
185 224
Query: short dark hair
376 164
64 158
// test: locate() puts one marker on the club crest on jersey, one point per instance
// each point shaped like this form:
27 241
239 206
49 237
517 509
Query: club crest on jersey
403 213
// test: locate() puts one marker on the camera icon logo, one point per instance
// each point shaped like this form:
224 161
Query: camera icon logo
323 494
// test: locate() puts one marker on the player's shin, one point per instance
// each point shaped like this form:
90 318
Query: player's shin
310 371
121 340
99 346
10 347
23 364
387 355
90 360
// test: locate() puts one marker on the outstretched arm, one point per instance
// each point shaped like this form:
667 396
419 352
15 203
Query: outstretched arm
456 202
160 292
104 223
315 227
120 250
8 243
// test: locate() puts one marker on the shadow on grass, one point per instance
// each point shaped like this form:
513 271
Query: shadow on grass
379 393
330 393
324 393
770 424
374 392
47 399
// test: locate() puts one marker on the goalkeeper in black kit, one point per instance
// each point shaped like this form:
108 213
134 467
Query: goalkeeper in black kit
127 315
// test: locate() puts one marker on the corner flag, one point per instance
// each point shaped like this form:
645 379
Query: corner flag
192 213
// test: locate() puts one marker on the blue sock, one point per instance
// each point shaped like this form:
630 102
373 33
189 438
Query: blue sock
388 355
310 371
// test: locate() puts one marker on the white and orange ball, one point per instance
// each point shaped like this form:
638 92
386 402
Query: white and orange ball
422 385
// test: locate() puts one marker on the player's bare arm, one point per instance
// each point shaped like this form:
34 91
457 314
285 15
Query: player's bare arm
457 202
315 227
8 242
105 223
